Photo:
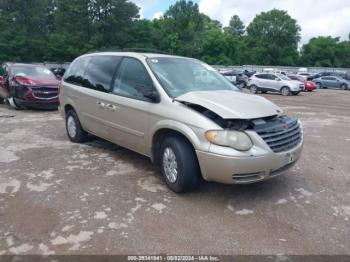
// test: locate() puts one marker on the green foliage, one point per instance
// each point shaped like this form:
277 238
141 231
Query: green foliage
236 26
60 30
273 38
326 51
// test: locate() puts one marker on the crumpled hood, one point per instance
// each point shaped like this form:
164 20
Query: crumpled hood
232 105
36 81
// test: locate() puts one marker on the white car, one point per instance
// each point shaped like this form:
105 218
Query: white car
268 82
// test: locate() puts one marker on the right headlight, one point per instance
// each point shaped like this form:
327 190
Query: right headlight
230 138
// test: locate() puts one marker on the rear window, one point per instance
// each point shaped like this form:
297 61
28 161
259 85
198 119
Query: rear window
75 73
99 72
93 72
262 76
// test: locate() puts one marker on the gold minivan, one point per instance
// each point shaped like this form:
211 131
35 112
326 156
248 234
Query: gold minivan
183 114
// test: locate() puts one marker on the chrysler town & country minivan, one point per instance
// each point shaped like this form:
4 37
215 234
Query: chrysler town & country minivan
180 112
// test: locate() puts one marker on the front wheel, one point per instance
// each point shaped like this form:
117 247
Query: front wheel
344 87
179 164
253 89
241 85
14 103
74 130
285 91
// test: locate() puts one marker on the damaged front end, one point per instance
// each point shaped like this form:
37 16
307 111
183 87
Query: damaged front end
281 133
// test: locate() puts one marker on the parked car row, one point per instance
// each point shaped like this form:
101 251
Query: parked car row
271 80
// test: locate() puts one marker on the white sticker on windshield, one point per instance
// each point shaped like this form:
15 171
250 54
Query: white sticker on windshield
155 61
47 71
208 67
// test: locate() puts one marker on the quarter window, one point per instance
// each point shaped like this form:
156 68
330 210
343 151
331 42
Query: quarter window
132 80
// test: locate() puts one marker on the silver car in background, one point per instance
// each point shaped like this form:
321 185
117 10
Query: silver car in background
269 82
332 82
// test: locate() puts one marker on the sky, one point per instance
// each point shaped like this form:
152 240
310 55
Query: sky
316 17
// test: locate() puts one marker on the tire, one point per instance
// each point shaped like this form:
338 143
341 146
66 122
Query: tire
253 89
264 92
242 85
285 91
319 86
344 87
74 130
14 103
179 164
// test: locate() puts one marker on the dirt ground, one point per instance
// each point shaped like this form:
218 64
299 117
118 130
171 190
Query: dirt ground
57 197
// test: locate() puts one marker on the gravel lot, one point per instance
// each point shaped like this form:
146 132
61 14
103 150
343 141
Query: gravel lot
57 197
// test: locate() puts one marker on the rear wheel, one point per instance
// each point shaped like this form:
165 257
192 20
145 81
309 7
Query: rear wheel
74 129
253 89
241 85
285 91
179 164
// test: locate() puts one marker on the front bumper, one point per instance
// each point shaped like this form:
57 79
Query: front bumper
39 104
248 169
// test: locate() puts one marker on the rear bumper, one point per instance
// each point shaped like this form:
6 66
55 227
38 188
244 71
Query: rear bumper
246 170
310 88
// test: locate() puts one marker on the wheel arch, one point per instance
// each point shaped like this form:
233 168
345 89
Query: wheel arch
159 134
284 87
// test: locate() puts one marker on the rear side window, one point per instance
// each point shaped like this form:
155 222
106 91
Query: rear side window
262 76
75 73
272 77
132 80
100 71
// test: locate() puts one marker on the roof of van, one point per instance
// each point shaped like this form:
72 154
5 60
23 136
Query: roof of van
135 54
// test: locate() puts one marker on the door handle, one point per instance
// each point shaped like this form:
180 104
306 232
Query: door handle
101 105
111 108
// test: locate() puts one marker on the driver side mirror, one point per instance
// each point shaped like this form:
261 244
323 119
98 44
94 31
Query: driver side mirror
152 96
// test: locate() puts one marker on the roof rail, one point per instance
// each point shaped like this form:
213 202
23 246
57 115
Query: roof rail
136 50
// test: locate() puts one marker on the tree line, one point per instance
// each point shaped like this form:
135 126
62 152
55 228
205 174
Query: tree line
60 30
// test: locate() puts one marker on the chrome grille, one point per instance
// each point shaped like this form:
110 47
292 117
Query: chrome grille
44 88
281 134
45 95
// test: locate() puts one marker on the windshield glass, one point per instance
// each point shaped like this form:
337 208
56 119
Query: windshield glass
37 71
283 77
179 76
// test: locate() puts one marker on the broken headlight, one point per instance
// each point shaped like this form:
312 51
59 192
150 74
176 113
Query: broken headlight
230 138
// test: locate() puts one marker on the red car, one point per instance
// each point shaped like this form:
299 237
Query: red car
29 86
308 85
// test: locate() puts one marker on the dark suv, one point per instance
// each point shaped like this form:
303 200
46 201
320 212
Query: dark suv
26 85
237 78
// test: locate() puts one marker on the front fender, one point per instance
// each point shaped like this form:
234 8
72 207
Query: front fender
195 135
